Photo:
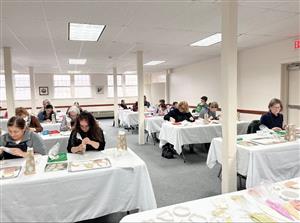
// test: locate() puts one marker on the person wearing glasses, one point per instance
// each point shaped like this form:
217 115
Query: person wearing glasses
273 119
87 135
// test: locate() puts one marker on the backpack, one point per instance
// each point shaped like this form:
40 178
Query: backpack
253 126
168 151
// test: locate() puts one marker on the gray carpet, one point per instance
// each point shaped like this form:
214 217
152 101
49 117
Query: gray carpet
173 180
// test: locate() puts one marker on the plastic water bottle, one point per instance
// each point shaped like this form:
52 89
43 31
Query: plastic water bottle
53 118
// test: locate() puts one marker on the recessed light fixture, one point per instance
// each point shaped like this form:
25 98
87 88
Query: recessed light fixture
130 72
154 62
77 61
213 39
74 71
85 32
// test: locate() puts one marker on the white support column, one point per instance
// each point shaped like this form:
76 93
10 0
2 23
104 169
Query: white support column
116 115
167 86
32 84
10 99
229 94
141 107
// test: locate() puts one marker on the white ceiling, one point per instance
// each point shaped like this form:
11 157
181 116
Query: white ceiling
37 31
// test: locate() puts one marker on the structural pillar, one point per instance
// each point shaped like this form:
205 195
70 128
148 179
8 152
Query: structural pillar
116 115
141 107
32 84
229 94
10 99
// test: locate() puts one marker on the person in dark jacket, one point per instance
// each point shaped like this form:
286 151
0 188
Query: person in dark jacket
273 119
46 116
87 135
123 104
32 122
180 114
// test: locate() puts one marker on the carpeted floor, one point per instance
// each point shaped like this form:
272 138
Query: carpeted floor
173 180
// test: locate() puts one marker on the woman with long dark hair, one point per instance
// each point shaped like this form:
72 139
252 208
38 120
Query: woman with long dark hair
87 135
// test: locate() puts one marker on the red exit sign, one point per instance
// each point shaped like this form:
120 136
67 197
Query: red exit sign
297 44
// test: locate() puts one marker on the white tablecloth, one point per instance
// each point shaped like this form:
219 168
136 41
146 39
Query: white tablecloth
51 140
51 126
68 197
46 126
262 162
153 123
221 208
121 113
193 133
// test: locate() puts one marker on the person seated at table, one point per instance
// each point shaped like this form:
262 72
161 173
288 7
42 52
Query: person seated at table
174 106
123 104
32 122
45 103
180 114
162 107
76 103
87 135
273 119
210 111
46 116
18 139
146 103
202 104
135 107
73 113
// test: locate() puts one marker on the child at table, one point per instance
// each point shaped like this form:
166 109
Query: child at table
14 144
87 135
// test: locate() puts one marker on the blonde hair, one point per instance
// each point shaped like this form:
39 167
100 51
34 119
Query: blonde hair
183 106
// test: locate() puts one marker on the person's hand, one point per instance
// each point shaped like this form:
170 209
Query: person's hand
172 120
276 129
48 120
86 141
17 152
191 119
32 129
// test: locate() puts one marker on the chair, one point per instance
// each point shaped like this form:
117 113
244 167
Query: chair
253 126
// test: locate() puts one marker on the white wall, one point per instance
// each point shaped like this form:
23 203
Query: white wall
190 82
259 71
96 80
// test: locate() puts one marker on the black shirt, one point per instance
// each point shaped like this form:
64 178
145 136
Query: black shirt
270 120
178 116
74 141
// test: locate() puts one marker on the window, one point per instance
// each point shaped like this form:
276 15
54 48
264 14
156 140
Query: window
62 86
110 86
82 86
131 85
22 87
2 88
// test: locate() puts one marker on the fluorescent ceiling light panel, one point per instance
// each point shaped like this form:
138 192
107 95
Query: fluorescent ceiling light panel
154 62
130 72
85 32
77 61
216 38
74 71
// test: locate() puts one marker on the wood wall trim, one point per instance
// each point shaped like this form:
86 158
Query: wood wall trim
244 111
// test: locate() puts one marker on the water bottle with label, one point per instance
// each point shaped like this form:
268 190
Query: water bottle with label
53 118
30 163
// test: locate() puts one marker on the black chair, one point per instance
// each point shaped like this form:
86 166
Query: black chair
253 127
